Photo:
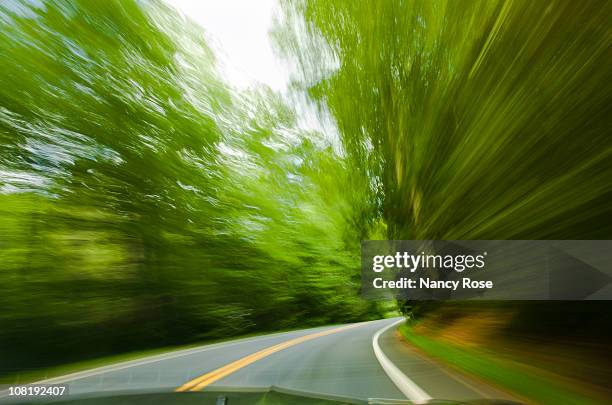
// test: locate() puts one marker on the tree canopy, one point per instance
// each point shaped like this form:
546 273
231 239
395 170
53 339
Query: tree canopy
146 202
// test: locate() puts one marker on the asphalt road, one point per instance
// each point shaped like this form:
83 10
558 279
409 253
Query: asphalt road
364 360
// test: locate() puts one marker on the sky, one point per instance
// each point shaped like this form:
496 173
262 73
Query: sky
237 31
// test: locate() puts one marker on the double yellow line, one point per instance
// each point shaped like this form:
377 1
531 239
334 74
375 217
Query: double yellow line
205 380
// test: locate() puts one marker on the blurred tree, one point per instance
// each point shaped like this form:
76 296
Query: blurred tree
473 120
144 202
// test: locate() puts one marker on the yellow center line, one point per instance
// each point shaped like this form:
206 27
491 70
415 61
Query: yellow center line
204 380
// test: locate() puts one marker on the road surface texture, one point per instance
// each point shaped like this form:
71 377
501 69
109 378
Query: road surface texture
364 360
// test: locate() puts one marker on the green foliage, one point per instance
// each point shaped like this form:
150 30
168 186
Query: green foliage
144 202
473 119
522 380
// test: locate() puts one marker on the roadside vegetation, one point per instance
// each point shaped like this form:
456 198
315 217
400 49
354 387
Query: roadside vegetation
477 120
145 203
535 352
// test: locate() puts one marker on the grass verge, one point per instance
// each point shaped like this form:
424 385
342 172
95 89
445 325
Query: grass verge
500 371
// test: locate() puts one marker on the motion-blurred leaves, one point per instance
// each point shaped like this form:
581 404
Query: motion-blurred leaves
145 202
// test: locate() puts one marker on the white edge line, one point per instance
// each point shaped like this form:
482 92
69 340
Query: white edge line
412 391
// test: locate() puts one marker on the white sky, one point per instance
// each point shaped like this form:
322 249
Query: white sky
238 33
237 30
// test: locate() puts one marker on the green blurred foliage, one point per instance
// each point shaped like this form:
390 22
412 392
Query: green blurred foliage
472 119
144 202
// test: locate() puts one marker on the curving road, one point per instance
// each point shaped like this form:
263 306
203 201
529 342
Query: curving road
363 360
